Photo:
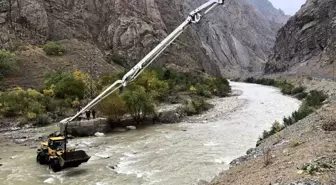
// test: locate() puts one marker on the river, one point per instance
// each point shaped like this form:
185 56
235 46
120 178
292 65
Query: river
177 154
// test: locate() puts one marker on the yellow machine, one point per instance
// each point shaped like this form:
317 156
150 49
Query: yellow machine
55 154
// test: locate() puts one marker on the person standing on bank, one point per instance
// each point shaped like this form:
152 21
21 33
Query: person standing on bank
93 114
88 114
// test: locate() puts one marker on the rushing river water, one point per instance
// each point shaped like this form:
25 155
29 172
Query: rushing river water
178 154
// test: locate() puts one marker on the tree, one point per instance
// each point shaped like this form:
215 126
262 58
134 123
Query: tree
153 85
18 102
139 103
114 107
66 85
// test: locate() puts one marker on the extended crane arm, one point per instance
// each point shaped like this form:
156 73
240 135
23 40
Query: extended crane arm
194 17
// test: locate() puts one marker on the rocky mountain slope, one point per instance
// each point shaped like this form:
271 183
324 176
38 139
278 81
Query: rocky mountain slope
239 38
307 43
269 12
234 39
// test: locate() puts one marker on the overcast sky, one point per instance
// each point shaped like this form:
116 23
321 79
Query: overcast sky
290 7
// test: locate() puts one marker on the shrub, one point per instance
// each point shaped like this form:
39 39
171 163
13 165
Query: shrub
303 112
301 96
114 107
250 80
153 85
276 127
298 90
218 86
18 102
42 120
195 106
288 121
7 63
315 98
53 48
139 103
192 89
31 115
287 88
65 85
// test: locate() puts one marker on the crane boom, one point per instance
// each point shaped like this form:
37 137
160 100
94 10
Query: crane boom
194 17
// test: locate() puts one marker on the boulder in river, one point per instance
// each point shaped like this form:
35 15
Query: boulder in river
170 117
19 141
131 127
99 134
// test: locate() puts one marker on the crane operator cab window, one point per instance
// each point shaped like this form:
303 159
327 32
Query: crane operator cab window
56 144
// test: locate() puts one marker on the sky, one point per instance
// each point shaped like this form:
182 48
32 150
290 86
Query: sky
290 7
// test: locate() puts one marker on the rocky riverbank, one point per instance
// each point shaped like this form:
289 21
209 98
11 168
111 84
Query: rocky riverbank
304 153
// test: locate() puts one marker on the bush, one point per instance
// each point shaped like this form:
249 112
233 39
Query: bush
315 98
18 102
7 63
153 85
65 85
139 103
203 90
218 86
298 90
53 48
288 121
287 88
303 112
195 106
42 120
261 81
301 96
114 107
276 127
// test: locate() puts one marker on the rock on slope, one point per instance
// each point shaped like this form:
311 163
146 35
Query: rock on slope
307 43
233 40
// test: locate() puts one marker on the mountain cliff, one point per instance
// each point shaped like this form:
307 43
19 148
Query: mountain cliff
306 45
237 38
232 40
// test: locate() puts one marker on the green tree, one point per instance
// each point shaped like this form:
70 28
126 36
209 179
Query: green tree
153 85
140 103
18 102
114 107
65 85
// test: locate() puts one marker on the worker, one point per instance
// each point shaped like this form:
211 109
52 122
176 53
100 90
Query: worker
87 114
93 114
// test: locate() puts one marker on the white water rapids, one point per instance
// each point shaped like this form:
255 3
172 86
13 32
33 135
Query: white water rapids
177 154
